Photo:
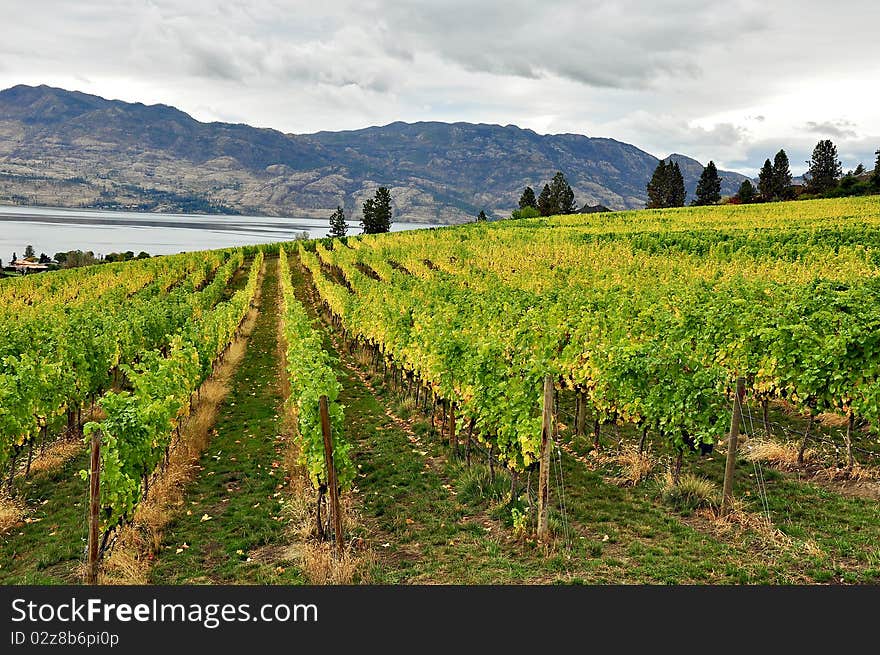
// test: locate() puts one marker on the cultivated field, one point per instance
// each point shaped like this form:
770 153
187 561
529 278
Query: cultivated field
200 377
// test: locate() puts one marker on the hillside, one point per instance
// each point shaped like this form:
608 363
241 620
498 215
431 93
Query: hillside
68 148
440 356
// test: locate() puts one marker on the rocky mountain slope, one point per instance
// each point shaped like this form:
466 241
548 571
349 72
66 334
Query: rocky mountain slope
66 148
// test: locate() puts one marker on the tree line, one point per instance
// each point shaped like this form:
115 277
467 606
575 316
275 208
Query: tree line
377 213
666 188
824 178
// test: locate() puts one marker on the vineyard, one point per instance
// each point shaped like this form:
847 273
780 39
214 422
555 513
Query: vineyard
535 400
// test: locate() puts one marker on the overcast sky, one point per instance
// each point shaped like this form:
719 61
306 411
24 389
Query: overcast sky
731 81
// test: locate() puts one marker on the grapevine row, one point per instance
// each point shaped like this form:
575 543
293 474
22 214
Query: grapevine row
139 426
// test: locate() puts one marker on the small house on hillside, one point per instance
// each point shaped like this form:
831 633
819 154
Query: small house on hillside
25 266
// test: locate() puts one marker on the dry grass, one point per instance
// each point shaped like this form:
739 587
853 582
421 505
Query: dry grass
858 473
833 420
635 466
691 493
128 561
781 454
12 511
56 454
315 558
363 358
740 520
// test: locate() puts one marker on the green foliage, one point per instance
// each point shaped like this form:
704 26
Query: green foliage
766 184
746 193
65 332
311 373
525 212
545 202
666 187
781 180
561 195
825 168
139 425
377 212
527 199
875 176
709 186
481 217
557 198
338 226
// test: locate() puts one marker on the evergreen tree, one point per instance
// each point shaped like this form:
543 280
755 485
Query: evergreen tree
383 209
29 252
657 187
781 176
481 217
527 199
377 212
709 187
369 220
825 168
860 170
746 193
14 259
677 192
765 181
666 188
875 177
561 196
338 226
545 201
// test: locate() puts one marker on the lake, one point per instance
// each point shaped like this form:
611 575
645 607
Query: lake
50 230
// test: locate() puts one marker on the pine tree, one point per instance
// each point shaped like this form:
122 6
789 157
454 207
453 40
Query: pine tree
746 193
368 223
765 181
709 187
338 226
481 217
657 187
527 199
377 212
545 202
561 196
383 209
29 252
677 192
781 176
875 177
825 168
566 204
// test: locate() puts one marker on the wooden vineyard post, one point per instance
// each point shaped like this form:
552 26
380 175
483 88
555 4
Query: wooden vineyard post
727 494
94 508
581 417
331 474
544 463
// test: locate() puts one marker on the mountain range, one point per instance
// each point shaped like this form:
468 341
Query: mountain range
67 148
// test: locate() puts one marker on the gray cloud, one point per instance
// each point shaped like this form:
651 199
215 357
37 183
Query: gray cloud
841 129
681 75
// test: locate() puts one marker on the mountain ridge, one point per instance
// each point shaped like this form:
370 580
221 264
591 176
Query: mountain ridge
70 148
